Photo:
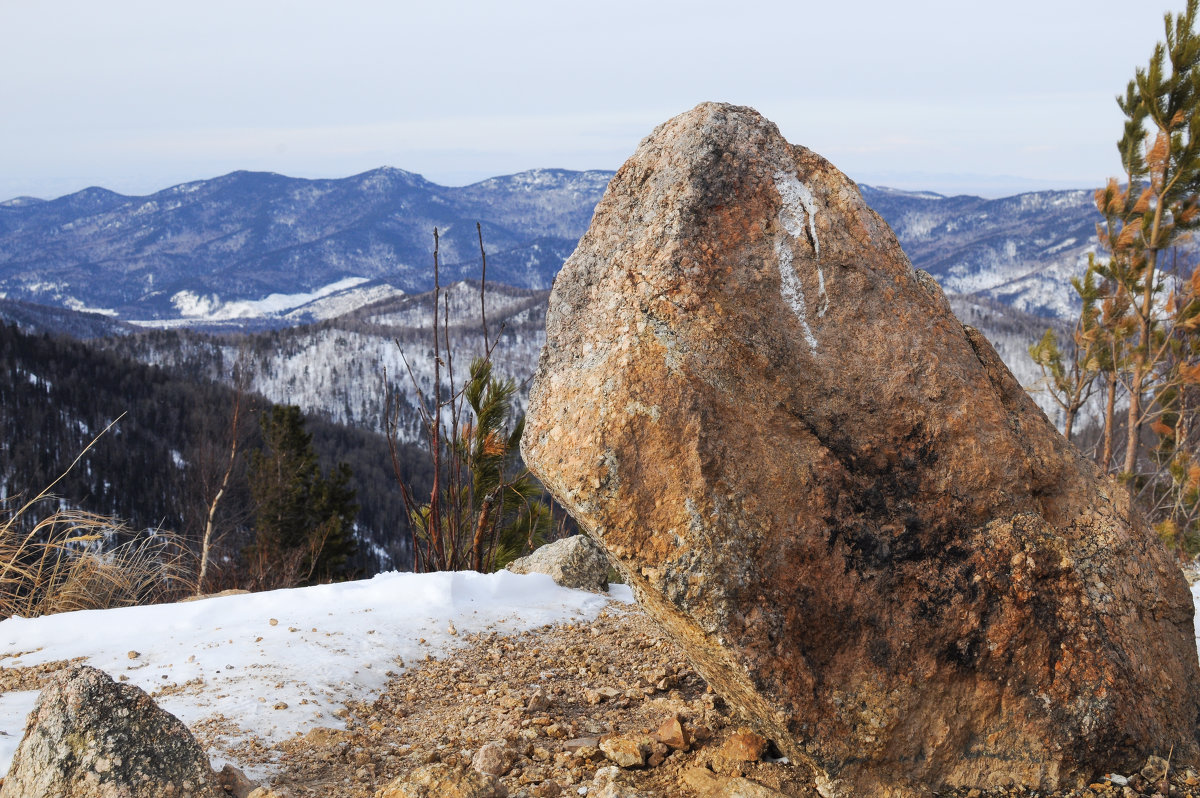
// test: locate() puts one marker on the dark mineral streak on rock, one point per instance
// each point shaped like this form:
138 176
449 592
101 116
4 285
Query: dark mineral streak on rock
835 496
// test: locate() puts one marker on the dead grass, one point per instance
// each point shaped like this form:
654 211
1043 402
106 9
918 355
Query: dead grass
65 563
69 561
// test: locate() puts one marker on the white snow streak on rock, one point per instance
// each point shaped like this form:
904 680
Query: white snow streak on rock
793 292
797 200
798 206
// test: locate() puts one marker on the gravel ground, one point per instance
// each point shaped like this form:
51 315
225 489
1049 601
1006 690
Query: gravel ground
544 699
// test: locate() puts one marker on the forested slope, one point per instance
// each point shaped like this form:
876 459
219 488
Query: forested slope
158 465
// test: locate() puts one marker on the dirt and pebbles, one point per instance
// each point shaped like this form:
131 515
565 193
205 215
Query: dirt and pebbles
544 700
542 704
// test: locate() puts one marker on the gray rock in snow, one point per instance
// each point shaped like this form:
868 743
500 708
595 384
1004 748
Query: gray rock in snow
572 562
90 737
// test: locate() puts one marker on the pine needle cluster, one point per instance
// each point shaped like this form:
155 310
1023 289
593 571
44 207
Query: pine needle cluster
1137 337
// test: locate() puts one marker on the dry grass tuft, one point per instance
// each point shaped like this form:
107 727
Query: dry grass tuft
65 562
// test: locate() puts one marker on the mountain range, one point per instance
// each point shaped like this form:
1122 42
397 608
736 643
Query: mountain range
251 245
251 248
318 291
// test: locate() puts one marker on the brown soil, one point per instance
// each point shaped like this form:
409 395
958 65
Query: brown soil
445 710
33 677
615 674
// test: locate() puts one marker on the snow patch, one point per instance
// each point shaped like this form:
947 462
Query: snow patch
74 304
210 308
342 302
1069 242
312 648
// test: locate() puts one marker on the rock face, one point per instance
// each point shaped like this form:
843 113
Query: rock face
573 562
834 495
89 737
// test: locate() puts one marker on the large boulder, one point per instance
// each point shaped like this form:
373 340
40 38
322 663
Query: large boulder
90 737
835 496
575 561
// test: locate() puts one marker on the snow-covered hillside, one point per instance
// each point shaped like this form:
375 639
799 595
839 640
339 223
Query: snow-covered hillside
249 247
338 369
1020 251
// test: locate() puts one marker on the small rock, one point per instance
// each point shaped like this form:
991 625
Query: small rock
609 783
274 621
547 789
281 705
235 782
709 785
134 655
576 743
493 759
575 562
672 734
1155 769
743 746
439 780
91 737
451 629
601 694
626 750
538 702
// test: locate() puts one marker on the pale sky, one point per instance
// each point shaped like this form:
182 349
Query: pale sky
948 95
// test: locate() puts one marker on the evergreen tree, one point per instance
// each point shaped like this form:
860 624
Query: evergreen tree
1139 329
484 507
303 519
1160 154
1069 376
489 507
506 502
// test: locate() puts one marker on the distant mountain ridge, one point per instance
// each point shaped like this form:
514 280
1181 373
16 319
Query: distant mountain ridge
238 248
1020 251
247 235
